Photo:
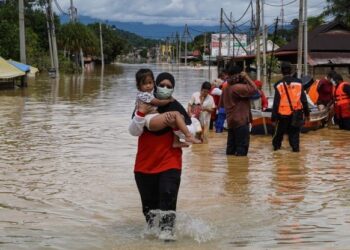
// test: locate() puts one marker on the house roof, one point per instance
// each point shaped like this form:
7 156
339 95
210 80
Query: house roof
328 58
7 70
21 66
24 67
333 36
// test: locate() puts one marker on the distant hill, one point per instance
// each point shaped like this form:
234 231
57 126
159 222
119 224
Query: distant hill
133 31
152 31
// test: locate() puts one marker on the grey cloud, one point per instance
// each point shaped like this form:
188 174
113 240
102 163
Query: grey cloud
179 12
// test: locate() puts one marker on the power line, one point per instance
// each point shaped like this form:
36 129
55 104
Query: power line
280 5
239 19
60 9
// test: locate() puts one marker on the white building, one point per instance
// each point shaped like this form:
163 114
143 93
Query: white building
269 47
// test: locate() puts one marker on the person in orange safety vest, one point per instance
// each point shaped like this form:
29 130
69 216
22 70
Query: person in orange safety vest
281 110
342 102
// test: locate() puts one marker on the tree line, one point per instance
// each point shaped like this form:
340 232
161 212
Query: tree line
73 36
70 37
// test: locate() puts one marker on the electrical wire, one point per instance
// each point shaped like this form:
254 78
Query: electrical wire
60 9
239 19
280 5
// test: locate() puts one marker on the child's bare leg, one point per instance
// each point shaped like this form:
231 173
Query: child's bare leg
159 122
175 118
172 119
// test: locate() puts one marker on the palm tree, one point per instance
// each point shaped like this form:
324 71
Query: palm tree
75 36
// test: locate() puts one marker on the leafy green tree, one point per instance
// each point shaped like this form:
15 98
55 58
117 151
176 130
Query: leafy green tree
9 41
75 36
315 21
340 9
113 44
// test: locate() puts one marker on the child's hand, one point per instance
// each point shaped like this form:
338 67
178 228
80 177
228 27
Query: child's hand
144 108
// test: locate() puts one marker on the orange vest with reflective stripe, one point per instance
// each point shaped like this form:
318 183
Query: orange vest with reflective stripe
313 93
342 102
294 90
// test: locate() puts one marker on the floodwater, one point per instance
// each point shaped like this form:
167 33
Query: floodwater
66 175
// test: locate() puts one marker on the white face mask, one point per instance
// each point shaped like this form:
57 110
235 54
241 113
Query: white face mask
333 82
163 92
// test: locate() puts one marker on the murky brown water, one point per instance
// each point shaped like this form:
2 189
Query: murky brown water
66 176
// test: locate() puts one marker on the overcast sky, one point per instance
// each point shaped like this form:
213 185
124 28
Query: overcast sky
179 12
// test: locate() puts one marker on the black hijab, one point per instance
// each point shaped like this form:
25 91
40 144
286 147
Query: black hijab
175 105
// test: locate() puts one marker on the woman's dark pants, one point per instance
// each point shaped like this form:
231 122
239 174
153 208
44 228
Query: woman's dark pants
159 192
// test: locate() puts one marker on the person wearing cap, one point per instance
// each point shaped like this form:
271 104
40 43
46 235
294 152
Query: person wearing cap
158 164
289 97
235 99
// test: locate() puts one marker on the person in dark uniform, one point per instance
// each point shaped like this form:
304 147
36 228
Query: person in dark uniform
283 104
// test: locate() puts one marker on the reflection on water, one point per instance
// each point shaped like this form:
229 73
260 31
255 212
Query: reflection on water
66 179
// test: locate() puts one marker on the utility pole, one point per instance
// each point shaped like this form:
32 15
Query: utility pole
53 39
49 37
257 48
264 41
305 40
282 15
173 57
180 48
177 47
186 38
272 55
72 12
73 19
229 38
167 46
22 38
204 43
300 39
220 34
101 47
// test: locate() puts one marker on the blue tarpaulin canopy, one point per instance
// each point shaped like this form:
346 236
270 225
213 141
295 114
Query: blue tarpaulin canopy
21 66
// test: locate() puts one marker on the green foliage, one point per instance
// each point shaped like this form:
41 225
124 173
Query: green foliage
73 36
113 44
135 40
143 53
70 37
9 41
198 42
314 21
340 9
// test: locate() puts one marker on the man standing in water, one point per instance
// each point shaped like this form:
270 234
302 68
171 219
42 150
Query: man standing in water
236 101
289 97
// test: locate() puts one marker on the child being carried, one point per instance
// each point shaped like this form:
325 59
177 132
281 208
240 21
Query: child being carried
156 121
